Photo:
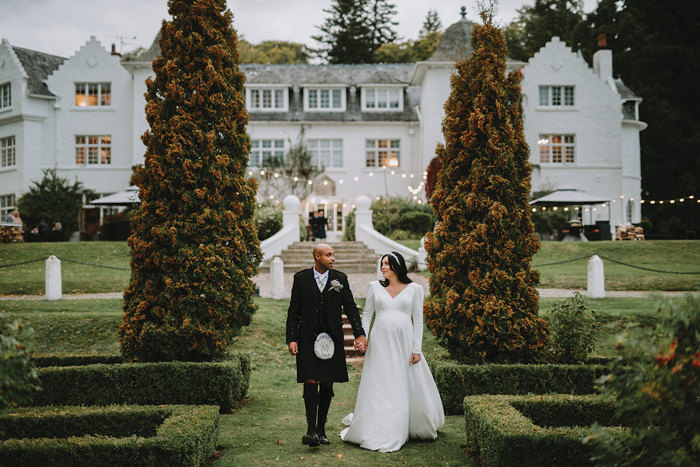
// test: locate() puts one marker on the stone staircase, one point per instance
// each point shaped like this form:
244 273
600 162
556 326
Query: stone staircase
350 257
351 355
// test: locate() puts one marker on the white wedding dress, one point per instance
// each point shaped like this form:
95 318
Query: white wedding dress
396 400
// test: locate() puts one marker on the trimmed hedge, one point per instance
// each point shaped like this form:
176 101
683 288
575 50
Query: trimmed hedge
500 432
212 383
457 380
115 436
55 359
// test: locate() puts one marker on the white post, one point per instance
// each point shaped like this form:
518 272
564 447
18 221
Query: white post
422 256
277 278
53 287
596 278
290 215
363 214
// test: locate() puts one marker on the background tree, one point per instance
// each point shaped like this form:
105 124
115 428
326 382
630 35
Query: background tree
53 199
194 246
431 23
483 300
294 172
536 24
273 52
354 30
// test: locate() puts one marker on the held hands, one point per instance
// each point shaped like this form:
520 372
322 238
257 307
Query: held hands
293 348
361 344
415 358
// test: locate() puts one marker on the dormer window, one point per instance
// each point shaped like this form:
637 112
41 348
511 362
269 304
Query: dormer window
93 94
556 96
324 99
267 99
382 99
5 96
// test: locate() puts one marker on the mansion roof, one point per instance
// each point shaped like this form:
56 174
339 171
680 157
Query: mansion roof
38 66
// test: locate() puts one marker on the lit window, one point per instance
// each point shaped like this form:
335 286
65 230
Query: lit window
382 99
267 99
262 150
7 152
7 205
5 95
556 149
382 153
326 152
93 94
93 150
320 99
556 96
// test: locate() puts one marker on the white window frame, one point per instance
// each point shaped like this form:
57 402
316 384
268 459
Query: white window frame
560 146
372 94
334 148
374 148
262 147
8 152
278 95
556 92
103 94
99 146
5 95
7 205
317 92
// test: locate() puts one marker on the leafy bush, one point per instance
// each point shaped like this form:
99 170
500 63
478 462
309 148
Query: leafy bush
221 383
18 379
117 435
535 430
268 218
53 199
572 330
457 380
656 382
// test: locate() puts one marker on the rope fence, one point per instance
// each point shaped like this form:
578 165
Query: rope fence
571 260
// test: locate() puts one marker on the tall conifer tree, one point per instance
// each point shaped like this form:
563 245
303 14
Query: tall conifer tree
483 299
194 245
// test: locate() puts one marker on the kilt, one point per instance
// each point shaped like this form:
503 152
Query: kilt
309 366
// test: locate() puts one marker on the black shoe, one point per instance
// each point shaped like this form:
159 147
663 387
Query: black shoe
322 438
310 440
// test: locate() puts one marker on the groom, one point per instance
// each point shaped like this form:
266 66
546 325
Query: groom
319 296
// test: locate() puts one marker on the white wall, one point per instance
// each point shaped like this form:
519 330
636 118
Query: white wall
93 63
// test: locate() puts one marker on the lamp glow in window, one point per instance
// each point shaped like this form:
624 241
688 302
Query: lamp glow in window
93 94
93 150
556 149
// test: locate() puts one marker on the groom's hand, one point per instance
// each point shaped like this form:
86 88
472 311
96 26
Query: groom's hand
293 348
361 344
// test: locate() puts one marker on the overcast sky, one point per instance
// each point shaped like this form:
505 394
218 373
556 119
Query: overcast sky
61 27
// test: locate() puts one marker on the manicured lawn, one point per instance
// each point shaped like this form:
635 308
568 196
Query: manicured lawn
668 255
76 278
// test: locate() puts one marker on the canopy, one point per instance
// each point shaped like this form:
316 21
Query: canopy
568 197
123 198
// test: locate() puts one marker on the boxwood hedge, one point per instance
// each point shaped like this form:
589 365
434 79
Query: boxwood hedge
457 380
84 382
535 430
114 435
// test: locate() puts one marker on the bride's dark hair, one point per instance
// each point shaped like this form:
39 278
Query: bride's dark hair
398 265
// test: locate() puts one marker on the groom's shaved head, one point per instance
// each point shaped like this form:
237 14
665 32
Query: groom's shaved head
324 257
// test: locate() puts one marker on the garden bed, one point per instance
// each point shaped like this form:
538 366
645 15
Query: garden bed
455 381
114 435
535 430
81 380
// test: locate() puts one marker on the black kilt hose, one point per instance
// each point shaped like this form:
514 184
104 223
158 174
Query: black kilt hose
310 312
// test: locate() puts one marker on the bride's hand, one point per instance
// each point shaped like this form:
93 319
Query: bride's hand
415 358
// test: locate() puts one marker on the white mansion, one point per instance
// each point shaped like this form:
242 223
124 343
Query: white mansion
373 127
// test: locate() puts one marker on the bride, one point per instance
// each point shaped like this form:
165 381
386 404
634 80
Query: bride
397 398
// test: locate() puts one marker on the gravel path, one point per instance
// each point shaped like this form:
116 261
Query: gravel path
358 284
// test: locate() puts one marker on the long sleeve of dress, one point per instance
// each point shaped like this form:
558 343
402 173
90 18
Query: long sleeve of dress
368 310
417 315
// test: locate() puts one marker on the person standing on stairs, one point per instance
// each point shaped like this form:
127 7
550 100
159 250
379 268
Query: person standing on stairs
315 336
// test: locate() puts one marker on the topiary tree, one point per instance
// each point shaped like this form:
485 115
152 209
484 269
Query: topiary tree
483 300
18 378
194 246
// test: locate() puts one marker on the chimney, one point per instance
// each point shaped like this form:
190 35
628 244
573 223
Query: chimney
114 50
602 59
